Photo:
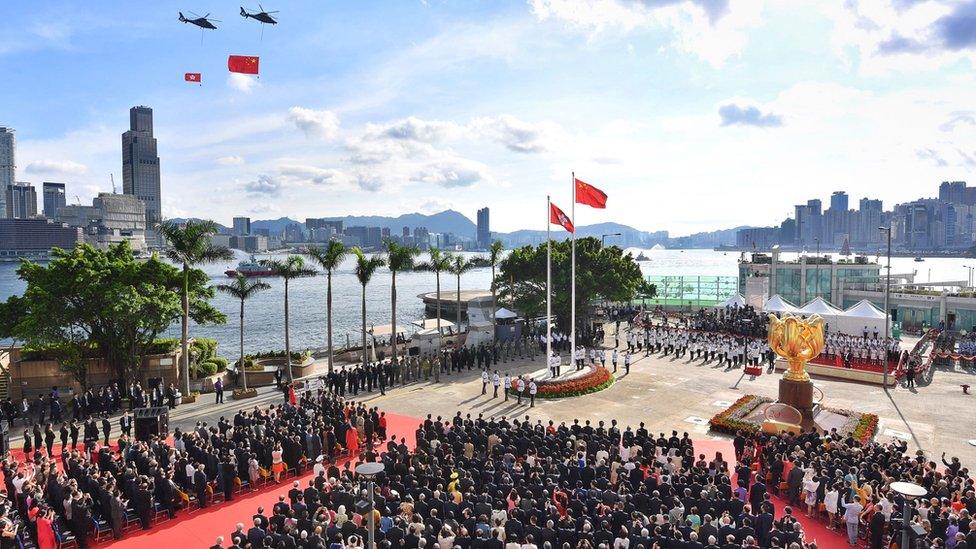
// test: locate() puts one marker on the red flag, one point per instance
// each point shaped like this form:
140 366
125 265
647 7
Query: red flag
244 64
193 77
559 218
590 195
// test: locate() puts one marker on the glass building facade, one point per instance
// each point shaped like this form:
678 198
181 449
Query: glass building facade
691 291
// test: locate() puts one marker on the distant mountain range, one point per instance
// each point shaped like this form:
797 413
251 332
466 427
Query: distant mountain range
450 221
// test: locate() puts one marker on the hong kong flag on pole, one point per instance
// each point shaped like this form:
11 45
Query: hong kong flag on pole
244 64
590 195
193 77
557 217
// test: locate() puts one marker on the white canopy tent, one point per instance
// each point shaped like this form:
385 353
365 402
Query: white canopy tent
860 317
504 314
735 301
819 306
777 304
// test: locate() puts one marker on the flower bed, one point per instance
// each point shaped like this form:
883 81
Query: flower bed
597 379
861 426
730 420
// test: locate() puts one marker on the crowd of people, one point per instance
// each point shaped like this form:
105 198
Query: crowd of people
98 484
507 483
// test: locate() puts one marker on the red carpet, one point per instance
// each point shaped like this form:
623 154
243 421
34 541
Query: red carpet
201 528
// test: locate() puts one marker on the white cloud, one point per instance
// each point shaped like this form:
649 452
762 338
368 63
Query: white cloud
231 160
311 174
415 129
881 36
453 172
520 136
242 82
264 185
320 123
713 30
61 167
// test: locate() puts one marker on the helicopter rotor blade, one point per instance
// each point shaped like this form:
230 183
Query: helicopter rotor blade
193 14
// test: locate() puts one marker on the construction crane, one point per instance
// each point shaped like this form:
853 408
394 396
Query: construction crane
112 177
78 200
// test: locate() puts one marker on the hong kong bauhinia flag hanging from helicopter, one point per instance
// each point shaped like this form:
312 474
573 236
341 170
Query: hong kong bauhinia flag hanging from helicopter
244 64
194 77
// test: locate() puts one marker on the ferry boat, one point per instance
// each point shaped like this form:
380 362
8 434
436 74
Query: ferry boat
249 268
642 257
919 259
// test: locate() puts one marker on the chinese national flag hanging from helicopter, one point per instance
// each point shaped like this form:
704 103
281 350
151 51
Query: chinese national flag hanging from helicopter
244 64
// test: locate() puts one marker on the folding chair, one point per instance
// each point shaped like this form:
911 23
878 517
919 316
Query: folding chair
158 511
131 521
100 527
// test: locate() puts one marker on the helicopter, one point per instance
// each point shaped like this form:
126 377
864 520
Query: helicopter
262 16
202 22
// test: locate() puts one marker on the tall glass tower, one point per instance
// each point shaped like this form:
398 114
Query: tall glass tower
140 168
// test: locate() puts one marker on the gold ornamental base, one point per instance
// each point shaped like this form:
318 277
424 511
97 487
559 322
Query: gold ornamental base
798 394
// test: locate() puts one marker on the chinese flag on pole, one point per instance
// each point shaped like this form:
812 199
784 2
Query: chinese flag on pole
590 195
244 64
557 217
193 77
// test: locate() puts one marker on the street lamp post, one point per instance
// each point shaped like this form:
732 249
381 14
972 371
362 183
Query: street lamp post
909 491
369 471
887 305
969 276
603 238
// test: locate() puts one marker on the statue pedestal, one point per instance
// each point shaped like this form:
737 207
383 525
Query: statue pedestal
798 394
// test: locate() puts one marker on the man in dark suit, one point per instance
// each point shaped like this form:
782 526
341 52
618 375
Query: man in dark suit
200 485
256 535
228 473
125 424
794 481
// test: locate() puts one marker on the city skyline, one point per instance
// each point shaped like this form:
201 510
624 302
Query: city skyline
684 112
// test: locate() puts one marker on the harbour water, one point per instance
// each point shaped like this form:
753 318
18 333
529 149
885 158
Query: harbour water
265 325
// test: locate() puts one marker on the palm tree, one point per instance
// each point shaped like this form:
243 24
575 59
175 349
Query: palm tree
365 268
437 263
494 257
288 268
398 258
243 289
329 258
459 266
189 244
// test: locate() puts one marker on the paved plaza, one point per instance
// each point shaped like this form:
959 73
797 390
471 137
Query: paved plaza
669 394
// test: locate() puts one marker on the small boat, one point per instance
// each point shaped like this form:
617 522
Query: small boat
642 257
919 259
249 268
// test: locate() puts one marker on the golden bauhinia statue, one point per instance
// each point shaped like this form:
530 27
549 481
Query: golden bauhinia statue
798 340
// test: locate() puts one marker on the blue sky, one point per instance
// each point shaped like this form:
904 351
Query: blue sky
691 115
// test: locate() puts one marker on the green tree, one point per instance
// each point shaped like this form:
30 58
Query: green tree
243 288
189 244
437 263
494 257
398 258
288 268
458 266
329 258
601 273
365 269
88 302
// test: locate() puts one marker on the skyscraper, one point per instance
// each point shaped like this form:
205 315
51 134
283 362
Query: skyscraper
242 226
53 199
484 229
21 199
140 168
8 165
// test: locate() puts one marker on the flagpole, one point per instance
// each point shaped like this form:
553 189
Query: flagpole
548 282
572 298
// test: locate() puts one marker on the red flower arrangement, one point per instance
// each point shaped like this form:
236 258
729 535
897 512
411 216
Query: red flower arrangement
596 379
730 420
